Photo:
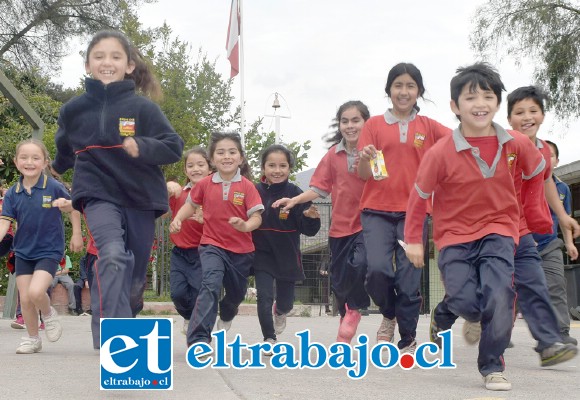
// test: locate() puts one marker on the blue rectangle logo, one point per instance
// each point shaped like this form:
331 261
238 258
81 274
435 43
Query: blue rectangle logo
136 354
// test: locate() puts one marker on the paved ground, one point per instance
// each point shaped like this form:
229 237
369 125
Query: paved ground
69 369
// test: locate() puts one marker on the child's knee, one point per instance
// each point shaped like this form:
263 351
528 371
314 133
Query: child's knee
464 308
35 296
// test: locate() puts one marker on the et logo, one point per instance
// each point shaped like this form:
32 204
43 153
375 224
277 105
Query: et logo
136 354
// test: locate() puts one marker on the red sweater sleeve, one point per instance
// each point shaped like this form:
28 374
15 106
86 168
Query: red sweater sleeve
416 211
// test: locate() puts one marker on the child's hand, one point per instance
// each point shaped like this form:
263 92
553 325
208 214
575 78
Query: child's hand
415 254
570 224
198 215
175 226
76 244
312 212
238 224
63 204
173 189
368 152
284 202
572 251
131 147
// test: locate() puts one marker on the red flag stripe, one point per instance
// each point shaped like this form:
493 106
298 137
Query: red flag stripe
233 39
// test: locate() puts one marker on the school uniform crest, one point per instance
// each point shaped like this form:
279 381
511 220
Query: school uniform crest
127 126
47 201
283 215
510 159
238 198
419 139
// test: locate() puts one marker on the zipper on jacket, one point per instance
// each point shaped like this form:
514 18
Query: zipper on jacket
103 110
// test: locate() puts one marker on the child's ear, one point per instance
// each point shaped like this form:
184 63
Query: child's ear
130 68
454 107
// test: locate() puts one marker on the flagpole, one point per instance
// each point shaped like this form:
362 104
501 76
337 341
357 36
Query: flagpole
241 44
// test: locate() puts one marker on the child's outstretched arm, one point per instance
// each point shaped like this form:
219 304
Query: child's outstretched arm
187 210
4 226
416 211
309 220
251 224
65 205
567 223
76 244
364 167
288 203
65 156
173 189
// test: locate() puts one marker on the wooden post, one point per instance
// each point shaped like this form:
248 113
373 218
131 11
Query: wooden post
18 101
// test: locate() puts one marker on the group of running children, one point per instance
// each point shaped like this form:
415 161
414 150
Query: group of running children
486 188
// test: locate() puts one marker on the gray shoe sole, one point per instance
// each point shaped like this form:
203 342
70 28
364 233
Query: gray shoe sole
568 353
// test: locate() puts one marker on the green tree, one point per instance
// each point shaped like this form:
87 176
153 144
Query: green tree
257 140
545 33
36 33
13 128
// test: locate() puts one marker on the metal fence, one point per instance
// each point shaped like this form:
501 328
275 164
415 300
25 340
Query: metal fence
315 289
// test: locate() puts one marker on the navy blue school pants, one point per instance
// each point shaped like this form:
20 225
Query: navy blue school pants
478 278
348 268
394 288
219 267
284 295
123 237
532 295
184 279
88 265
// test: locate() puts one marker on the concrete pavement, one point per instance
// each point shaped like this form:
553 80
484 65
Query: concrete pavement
69 369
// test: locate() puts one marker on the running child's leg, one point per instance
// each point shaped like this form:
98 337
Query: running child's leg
237 271
265 288
140 225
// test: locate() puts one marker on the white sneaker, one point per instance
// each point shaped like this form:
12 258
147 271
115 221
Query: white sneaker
279 323
53 327
185 326
410 349
471 332
29 345
271 342
386 332
224 325
497 381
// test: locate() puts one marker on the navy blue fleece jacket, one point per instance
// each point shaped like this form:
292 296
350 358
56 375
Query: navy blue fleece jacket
91 130
277 240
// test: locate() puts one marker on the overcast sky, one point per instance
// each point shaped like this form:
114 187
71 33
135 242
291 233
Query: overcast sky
319 54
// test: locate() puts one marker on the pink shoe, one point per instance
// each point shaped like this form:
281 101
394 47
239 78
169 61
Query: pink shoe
18 323
348 326
41 326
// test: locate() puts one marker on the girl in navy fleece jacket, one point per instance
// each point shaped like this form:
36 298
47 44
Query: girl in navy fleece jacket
277 259
116 139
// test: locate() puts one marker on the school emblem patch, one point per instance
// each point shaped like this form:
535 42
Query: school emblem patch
127 126
283 215
239 198
47 201
419 139
511 158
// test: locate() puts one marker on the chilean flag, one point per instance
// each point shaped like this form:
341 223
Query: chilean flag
233 39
